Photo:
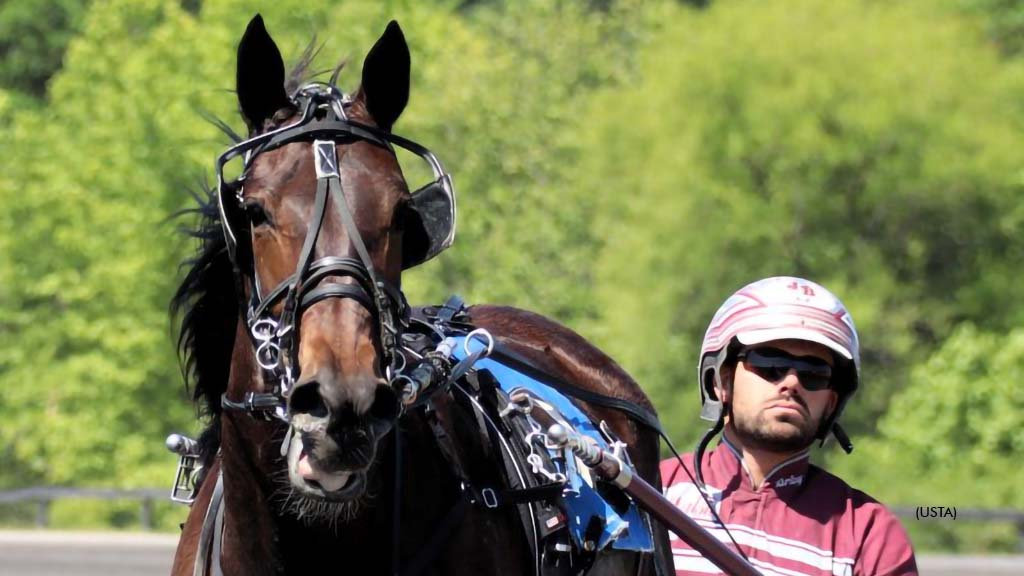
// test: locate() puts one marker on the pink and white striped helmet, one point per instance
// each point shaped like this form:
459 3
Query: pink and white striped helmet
782 307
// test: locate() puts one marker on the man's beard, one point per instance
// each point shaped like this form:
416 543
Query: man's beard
762 433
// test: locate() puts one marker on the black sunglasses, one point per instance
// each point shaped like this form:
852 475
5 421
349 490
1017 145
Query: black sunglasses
773 365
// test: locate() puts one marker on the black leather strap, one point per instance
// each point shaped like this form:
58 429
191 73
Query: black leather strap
352 291
641 415
453 306
442 532
337 266
208 556
337 130
511 497
254 402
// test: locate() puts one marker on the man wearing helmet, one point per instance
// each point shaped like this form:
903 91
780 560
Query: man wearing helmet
778 364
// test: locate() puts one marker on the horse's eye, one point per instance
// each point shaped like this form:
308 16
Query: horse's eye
256 213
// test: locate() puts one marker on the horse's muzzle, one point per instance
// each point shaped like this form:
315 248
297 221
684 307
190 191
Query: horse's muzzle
331 448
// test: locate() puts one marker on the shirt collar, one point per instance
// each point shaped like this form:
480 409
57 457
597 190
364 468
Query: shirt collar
785 477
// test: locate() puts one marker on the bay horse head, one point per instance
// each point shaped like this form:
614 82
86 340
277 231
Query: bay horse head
319 224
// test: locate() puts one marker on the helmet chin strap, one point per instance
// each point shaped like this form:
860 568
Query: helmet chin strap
831 424
713 410
702 446
841 437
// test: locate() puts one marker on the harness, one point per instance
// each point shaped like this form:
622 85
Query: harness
423 354
275 339
567 517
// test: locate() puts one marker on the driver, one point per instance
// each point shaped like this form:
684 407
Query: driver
777 366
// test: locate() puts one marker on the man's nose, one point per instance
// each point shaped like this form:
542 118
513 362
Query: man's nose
790 381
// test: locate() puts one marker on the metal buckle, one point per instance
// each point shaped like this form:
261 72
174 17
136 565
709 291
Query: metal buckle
184 489
326 159
268 353
489 497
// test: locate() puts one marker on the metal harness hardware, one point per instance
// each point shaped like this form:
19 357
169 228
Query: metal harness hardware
446 354
189 471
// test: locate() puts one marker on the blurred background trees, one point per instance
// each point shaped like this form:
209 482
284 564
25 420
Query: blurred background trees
33 37
622 166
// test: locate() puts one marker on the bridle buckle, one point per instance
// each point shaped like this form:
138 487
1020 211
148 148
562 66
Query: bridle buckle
489 497
326 159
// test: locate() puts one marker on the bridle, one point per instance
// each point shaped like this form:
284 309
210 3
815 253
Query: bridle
324 122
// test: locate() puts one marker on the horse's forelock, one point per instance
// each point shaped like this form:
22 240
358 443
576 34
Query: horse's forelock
301 72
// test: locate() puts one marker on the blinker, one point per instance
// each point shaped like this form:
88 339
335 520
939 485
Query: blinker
435 206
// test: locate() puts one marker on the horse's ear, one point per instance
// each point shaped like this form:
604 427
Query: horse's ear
385 87
259 80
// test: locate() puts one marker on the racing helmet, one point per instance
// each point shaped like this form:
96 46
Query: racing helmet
777 308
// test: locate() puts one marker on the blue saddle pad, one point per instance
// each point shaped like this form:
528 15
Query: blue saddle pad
580 501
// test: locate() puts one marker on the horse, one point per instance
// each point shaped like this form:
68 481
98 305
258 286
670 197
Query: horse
291 314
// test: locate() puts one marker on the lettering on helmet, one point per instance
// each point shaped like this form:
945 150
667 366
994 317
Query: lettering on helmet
807 290
794 480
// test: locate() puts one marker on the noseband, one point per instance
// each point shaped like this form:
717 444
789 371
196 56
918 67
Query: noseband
325 124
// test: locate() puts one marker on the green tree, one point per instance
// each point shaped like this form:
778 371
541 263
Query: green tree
87 369
954 437
506 128
33 37
1004 22
873 147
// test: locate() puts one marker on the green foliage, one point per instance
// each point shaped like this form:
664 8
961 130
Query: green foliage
962 416
621 166
506 131
86 355
1004 22
954 437
33 36
848 152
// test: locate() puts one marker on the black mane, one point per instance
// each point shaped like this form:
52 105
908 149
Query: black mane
208 307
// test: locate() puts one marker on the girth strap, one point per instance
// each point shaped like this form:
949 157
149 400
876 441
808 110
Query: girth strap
442 532
492 498
208 553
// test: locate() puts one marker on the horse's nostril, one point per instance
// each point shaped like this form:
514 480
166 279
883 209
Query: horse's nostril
306 399
386 405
